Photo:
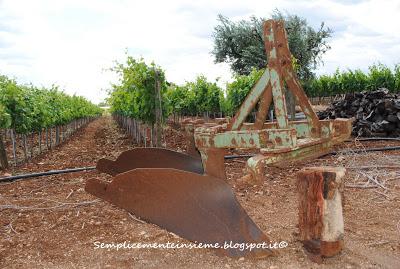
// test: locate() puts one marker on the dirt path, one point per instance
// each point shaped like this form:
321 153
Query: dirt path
55 229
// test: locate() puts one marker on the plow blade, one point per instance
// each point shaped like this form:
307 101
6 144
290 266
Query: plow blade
200 208
150 158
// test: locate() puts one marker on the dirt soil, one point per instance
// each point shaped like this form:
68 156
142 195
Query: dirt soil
51 222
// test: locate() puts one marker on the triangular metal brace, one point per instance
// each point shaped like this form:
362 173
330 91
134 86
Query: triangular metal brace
270 86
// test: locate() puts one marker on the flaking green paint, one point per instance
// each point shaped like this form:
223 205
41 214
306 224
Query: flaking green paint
248 139
279 100
251 99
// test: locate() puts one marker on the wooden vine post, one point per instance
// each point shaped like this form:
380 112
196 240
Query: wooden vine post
3 155
321 225
158 109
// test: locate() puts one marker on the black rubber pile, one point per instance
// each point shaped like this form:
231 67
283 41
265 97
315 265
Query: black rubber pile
376 113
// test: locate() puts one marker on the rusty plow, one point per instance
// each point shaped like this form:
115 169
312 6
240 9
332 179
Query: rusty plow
181 199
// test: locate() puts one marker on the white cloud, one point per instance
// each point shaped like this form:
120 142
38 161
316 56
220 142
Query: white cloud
71 42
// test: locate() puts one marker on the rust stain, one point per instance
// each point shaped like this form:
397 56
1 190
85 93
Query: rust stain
243 141
278 140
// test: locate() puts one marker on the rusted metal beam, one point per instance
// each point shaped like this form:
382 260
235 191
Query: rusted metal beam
263 108
214 161
271 28
289 75
307 148
247 139
250 102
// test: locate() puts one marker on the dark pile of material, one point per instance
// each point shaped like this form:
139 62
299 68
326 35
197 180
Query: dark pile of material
376 113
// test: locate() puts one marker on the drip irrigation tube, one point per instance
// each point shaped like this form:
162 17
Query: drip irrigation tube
48 173
230 157
375 139
362 150
227 157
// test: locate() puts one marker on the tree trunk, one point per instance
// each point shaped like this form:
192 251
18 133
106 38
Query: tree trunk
321 225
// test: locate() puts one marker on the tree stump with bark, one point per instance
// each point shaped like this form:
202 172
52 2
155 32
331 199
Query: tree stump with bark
321 225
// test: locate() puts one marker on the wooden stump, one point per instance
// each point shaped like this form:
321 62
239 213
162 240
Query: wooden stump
320 210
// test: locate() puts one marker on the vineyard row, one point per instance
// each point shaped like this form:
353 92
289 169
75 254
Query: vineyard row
29 114
134 96
20 148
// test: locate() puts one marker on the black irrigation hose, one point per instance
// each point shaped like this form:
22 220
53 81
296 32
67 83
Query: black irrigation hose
375 139
52 172
227 157
362 150
230 157
72 170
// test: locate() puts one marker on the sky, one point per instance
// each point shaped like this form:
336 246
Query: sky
73 43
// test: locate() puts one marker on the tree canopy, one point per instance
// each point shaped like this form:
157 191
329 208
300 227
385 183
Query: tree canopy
134 95
241 44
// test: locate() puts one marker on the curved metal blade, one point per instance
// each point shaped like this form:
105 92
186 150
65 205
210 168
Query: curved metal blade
150 158
200 208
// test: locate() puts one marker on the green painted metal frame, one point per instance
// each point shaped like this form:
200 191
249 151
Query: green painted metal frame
282 140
